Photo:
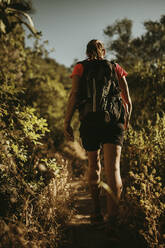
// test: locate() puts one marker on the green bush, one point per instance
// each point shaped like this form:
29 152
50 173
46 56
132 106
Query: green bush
143 172
33 177
46 84
142 165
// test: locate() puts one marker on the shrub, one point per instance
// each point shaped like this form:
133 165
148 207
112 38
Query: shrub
33 178
143 168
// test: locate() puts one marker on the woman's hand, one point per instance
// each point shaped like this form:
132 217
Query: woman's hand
68 132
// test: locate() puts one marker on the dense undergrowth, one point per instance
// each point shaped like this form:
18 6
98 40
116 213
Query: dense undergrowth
34 188
142 208
35 177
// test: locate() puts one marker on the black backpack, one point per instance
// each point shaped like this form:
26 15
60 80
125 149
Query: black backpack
99 92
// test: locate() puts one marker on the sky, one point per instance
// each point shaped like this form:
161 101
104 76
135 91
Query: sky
68 25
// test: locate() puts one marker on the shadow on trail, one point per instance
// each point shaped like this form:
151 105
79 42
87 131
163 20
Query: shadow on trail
80 233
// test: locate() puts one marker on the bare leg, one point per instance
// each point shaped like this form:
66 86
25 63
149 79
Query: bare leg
112 171
94 170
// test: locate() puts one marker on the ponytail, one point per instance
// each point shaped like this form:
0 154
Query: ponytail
95 49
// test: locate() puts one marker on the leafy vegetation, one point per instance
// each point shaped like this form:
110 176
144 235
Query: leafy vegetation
143 170
33 176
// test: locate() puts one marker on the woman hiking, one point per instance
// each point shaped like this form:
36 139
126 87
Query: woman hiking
105 107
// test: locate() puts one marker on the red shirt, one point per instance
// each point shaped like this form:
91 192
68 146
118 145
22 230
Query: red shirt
78 70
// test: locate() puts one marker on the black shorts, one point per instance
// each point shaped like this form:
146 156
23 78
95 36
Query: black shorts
94 134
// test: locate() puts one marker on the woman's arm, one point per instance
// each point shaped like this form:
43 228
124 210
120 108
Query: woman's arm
71 106
125 94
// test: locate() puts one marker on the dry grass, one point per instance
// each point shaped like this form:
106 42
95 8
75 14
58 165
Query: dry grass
35 214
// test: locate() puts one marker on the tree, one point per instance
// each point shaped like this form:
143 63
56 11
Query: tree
144 59
13 12
120 37
129 50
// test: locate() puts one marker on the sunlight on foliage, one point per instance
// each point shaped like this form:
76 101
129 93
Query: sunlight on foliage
33 178
143 156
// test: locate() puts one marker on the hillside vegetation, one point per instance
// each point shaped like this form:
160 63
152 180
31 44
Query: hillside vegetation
34 176
143 157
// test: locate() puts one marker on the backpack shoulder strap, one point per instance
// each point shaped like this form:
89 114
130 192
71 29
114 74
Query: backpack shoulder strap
113 63
86 65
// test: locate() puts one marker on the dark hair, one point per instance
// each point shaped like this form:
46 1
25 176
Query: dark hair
95 49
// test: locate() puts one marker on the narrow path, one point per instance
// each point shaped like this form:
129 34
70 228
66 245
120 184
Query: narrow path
80 232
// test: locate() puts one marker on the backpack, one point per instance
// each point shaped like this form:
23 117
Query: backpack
99 92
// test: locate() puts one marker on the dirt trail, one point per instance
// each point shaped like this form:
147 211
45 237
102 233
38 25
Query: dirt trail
80 232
